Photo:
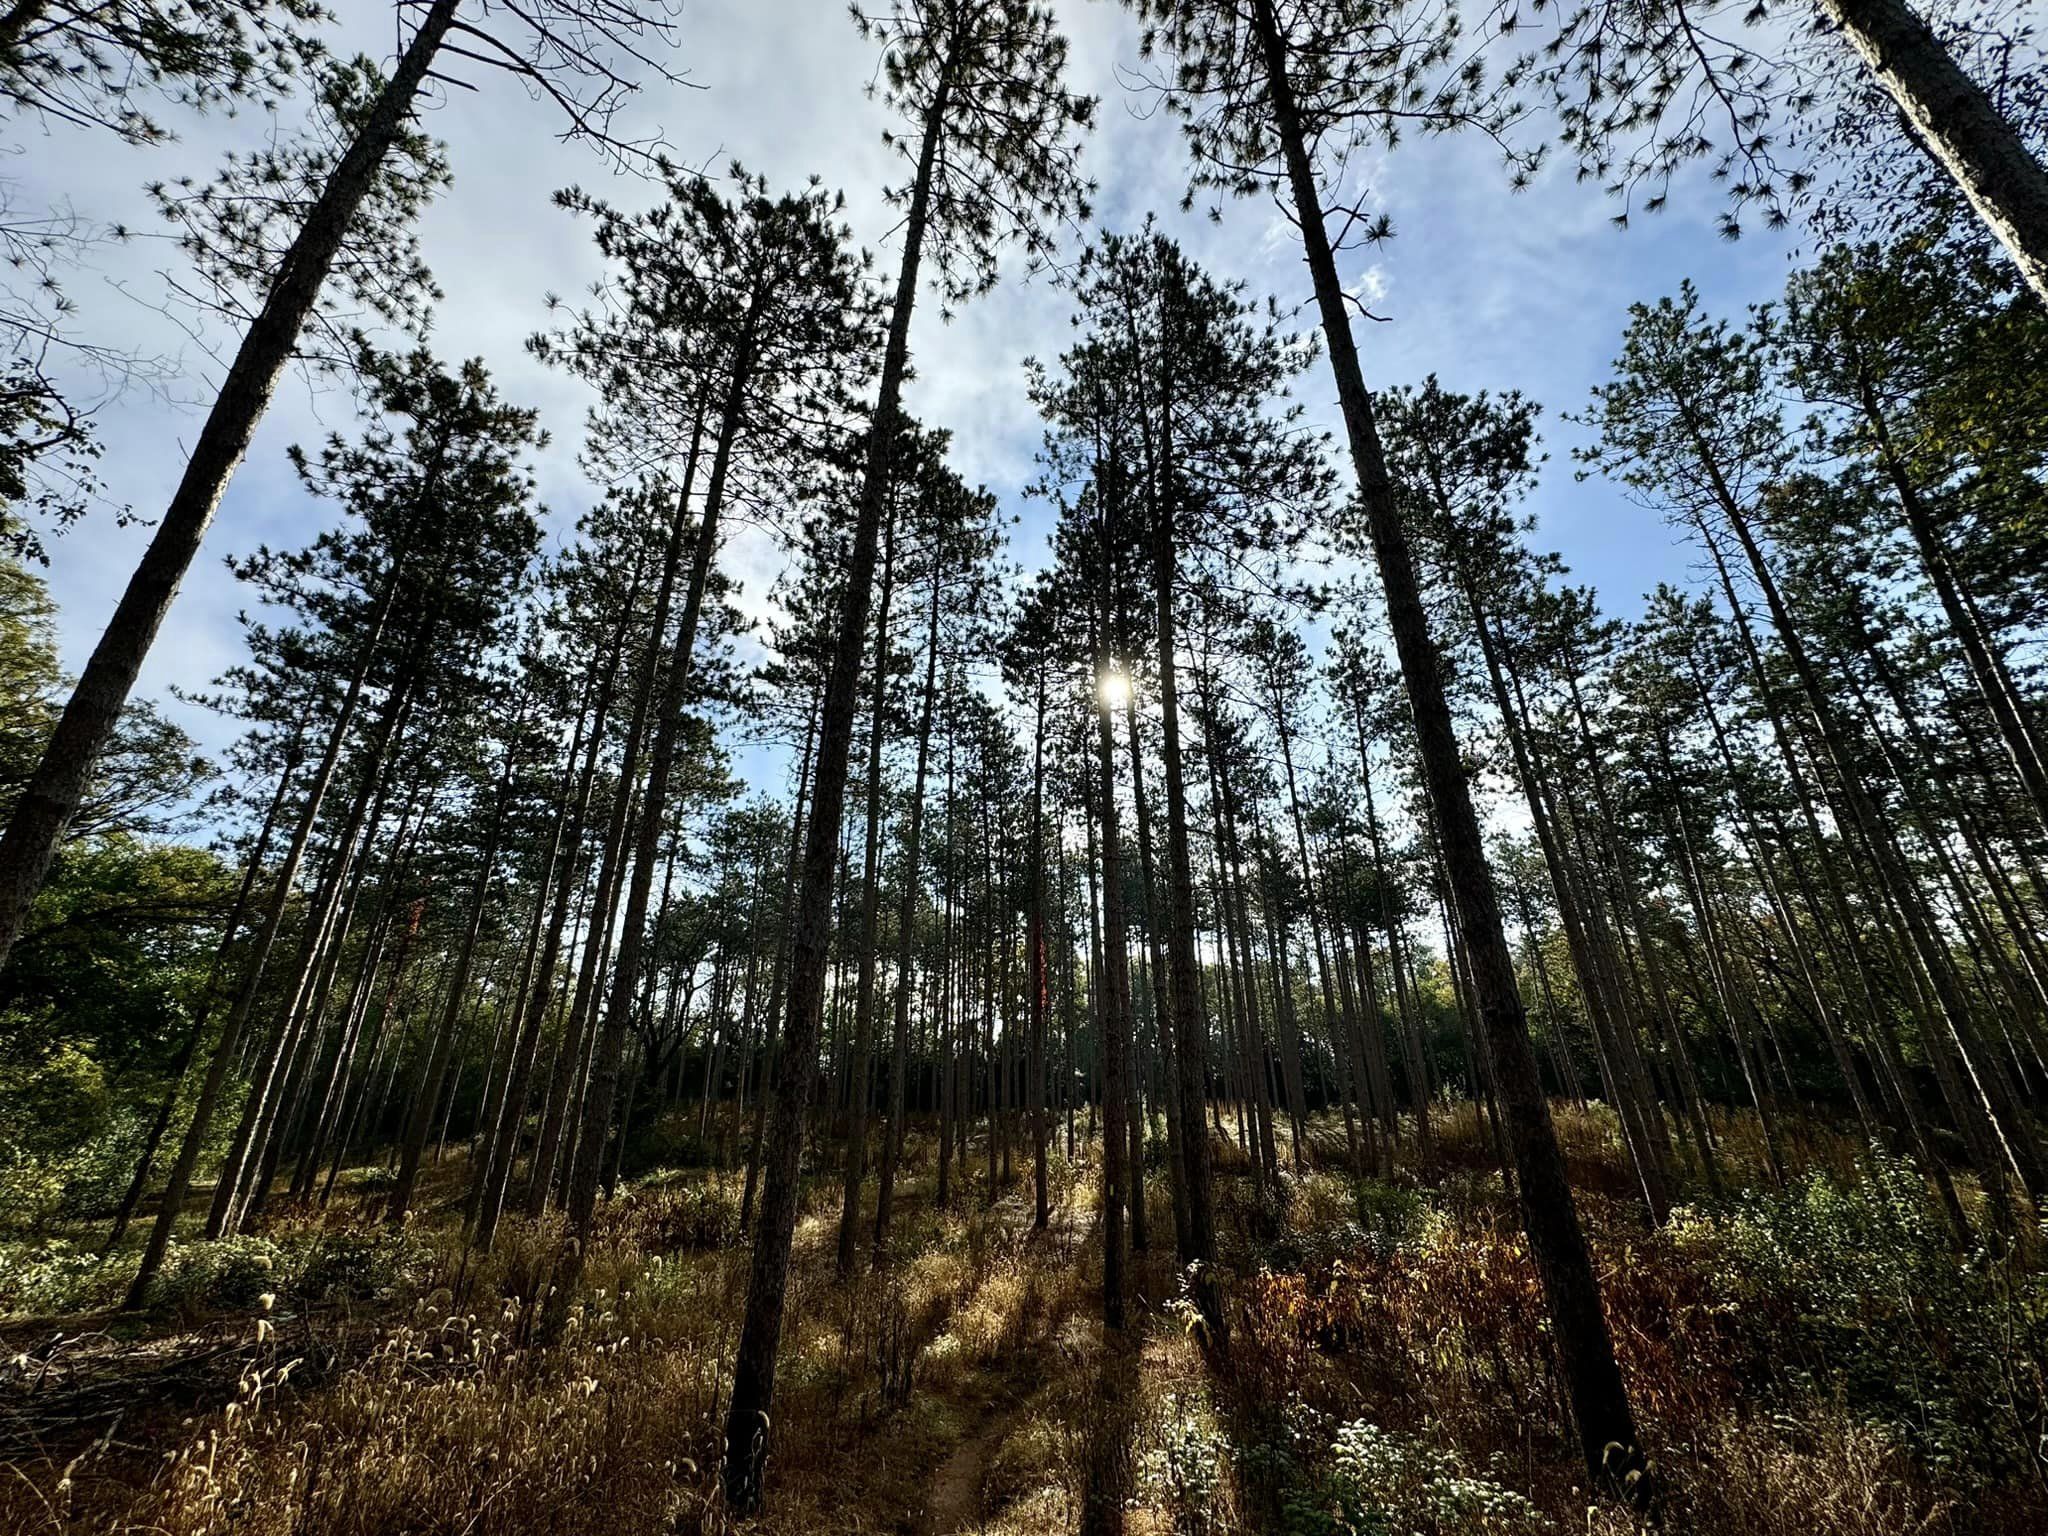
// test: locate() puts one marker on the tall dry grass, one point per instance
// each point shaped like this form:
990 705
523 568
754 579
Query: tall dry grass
1806 1363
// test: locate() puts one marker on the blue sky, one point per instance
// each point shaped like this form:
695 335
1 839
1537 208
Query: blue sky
1486 288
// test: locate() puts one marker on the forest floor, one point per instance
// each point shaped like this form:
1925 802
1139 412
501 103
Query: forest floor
1813 1360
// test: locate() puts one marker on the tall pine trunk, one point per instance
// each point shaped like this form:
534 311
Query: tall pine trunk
495 1177
1190 1028
1956 124
608 1050
230 930
1035 969
53 793
420 1118
860 1073
753 1386
1556 1243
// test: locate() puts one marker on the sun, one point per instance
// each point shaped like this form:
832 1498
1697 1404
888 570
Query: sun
1114 689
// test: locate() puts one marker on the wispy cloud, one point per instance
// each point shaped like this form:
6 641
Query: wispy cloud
1486 288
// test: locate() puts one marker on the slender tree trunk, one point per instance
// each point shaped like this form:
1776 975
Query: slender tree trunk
906 922
190 1049
1724 990
1599 1401
201 1123
2008 1119
444 1038
502 1143
1332 1023
1956 124
1035 977
674 695
562 1119
1116 1012
860 1070
53 793
778 1003
1994 680
753 1388
272 1071
1190 1030
397 865
1162 992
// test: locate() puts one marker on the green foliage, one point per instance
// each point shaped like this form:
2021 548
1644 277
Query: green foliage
1186 1468
361 1264
146 770
1383 1482
46 1177
987 81
1362 1480
94 1008
93 1004
693 1213
49 457
667 1141
234 1273
238 229
1857 1292
237 1273
57 1279
109 65
1388 1213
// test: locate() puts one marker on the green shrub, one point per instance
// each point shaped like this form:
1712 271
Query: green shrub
1852 1293
359 1265
670 1140
54 1278
1388 1214
1370 1481
230 1275
1185 1470
67 1145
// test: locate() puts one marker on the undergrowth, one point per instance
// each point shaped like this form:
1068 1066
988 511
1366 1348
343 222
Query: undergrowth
1811 1361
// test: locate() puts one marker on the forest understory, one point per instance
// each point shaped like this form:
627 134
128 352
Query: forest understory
740 908
1813 1359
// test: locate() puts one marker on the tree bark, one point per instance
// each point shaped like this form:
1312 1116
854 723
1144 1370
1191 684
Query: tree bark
1956 123
1116 1011
753 1389
860 1070
674 695
230 930
1599 1401
424 1102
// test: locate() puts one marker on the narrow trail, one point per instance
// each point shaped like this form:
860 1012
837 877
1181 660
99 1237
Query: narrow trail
954 1502
995 1403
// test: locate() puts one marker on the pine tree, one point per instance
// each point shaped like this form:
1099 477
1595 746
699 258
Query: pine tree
1641 90
980 80
362 188
1263 98
446 534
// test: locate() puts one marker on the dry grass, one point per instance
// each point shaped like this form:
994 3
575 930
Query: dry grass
966 1384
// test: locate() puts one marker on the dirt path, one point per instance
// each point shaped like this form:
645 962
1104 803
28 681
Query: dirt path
954 1501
